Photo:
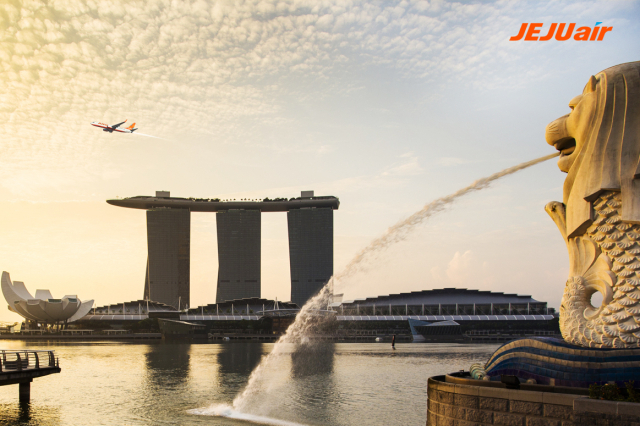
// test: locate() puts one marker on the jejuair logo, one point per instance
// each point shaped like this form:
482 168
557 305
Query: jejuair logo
582 33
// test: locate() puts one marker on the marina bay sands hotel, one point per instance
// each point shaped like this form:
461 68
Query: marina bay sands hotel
310 223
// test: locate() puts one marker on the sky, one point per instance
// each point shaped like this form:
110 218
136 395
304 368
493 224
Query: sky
385 105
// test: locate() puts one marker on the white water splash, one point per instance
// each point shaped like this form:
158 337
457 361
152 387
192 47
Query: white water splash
222 410
400 230
308 316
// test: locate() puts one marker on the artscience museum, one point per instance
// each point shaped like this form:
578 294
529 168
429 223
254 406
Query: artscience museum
43 308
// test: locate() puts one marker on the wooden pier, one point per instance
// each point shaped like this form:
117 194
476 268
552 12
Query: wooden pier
21 367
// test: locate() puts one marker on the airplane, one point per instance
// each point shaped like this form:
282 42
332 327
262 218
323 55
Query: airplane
114 128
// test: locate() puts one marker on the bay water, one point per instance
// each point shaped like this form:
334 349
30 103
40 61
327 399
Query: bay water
164 383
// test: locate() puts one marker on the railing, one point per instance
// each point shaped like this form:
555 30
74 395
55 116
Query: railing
510 332
27 360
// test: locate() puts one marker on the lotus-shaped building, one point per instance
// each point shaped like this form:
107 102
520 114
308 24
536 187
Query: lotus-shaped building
43 307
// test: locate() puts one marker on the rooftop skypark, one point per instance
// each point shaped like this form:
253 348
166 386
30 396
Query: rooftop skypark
163 199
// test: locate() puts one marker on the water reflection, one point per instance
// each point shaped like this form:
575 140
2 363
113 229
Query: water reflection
239 358
342 384
236 360
312 390
28 414
312 359
165 385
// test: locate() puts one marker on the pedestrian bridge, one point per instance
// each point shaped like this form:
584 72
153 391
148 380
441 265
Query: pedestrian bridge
21 367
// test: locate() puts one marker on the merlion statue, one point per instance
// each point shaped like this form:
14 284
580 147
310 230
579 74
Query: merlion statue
599 217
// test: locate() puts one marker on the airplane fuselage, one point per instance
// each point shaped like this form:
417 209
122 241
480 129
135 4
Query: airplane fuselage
110 129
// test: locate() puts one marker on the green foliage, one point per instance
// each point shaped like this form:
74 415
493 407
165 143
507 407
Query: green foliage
633 395
611 392
594 391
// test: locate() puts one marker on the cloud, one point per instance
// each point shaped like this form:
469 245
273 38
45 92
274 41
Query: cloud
460 267
464 269
409 167
221 69
393 175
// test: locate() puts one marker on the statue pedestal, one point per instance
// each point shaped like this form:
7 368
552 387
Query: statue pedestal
465 401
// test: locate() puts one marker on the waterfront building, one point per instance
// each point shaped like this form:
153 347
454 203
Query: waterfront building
168 263
43 308
443 315
136 310
446 302
238 254
481 315
231 314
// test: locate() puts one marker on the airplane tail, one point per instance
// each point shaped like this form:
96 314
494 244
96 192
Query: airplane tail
132 127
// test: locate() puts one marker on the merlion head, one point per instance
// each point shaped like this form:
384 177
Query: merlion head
599 142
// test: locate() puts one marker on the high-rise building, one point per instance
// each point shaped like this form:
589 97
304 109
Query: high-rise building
310 221
168 262
238 254
310 251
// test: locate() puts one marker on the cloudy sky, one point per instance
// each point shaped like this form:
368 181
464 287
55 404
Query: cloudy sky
386 105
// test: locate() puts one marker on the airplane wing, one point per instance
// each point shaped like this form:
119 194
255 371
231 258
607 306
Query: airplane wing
115 126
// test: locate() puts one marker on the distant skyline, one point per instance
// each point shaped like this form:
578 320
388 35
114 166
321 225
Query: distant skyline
385 105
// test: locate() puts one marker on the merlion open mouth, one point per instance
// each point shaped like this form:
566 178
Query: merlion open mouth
566 146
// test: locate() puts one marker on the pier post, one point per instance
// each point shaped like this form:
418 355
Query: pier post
25 391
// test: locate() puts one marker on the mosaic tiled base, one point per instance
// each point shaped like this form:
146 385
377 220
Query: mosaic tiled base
553 361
